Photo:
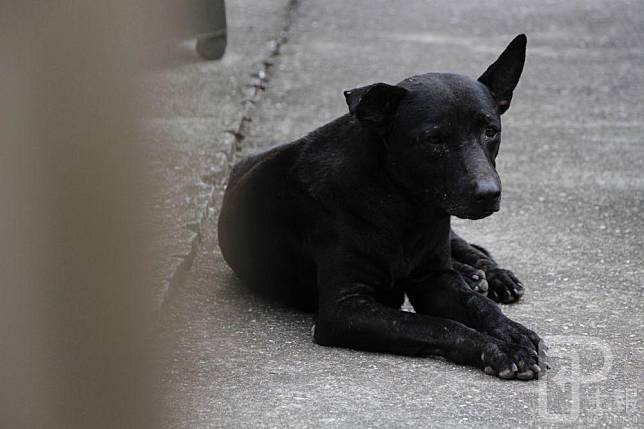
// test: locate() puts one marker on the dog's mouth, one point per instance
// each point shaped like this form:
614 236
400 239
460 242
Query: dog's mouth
479 215
475 213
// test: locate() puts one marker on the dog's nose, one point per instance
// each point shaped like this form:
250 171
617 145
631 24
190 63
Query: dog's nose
487 191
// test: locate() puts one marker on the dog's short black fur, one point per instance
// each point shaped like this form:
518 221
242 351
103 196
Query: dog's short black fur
352 217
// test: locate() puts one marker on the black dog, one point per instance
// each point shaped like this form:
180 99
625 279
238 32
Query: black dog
352 217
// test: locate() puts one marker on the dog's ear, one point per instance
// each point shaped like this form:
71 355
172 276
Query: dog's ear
502 77
374 105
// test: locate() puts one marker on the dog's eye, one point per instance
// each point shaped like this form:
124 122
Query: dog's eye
491 132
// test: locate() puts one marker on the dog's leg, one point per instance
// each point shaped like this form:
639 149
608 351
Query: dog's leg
503 286
448 296
349 316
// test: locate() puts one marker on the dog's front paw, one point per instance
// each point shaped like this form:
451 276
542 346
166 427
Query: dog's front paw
506 360
513 332
503 285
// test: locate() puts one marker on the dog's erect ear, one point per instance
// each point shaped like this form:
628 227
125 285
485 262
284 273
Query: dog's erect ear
502 77
374 105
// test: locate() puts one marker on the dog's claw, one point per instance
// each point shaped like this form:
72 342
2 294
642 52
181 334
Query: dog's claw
507 374
489 371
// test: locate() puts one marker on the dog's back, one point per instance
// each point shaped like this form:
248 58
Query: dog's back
258 228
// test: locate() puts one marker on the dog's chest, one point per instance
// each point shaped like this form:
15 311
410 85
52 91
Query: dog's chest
420 251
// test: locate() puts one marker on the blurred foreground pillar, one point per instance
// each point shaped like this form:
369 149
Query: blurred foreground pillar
74 321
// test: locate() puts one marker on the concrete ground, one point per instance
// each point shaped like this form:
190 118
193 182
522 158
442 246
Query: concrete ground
571 224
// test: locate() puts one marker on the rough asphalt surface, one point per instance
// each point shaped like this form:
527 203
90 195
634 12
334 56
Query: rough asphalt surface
571 224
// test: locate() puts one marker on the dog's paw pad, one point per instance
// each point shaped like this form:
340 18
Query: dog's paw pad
479 282
474 278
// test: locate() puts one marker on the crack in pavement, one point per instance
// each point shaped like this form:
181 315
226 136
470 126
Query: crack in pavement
232 139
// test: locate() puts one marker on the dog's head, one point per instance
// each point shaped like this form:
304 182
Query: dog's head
442 131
